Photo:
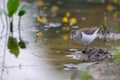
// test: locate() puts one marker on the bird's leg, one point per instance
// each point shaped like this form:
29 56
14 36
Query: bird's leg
85 49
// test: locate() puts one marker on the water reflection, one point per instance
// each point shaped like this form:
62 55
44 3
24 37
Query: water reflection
29 66
46 60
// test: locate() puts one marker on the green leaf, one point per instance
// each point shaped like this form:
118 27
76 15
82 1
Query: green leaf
22 44
23 10
13 46
21 13
12 7
15 51
11 42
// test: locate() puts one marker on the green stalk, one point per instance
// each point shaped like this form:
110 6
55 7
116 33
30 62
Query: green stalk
19 29
11 26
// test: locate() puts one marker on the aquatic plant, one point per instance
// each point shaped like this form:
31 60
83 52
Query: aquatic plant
11 42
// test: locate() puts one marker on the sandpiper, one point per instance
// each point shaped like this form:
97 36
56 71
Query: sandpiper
84 36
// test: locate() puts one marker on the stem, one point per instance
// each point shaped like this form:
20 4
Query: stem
11 26
19 29
4 55
6 39
3 26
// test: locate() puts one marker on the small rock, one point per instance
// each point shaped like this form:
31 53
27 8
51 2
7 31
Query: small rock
105 71
93 54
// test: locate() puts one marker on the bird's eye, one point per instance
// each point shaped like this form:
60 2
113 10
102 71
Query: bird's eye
74 33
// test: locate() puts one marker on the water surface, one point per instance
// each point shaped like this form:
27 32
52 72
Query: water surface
45 60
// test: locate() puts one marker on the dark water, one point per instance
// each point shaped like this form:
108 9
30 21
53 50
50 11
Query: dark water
45 60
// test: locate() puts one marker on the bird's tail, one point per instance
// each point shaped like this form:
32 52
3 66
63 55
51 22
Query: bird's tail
97 30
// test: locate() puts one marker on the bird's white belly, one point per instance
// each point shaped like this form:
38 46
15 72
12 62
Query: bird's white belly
86 39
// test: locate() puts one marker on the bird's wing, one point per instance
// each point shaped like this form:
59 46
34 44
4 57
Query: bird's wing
88 30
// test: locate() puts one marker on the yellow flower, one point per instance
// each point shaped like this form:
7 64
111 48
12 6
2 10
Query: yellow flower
38 19
115 15
67 28
65 20
44 20
40 3
110 7
54 8
67 14
65 37
73 21
39 33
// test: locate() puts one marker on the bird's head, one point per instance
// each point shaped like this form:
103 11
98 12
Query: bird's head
73 34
